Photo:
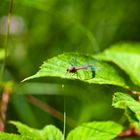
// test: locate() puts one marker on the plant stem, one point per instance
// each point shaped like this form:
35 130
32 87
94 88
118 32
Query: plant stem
6 39
64 127
3 108
5 95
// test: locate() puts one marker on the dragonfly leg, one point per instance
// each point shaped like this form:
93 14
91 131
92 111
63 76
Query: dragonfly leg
76 74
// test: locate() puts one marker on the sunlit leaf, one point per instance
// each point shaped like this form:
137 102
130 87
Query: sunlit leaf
131 107
6 136
57 67
127 57
95 131
49 132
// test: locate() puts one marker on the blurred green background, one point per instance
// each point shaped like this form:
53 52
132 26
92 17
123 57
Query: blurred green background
41 29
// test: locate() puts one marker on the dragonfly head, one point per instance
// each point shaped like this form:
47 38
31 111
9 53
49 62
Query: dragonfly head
68 70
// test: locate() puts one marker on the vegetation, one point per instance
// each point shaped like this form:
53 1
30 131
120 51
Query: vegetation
87 88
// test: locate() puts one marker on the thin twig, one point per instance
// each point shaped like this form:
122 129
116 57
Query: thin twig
3 108
49 109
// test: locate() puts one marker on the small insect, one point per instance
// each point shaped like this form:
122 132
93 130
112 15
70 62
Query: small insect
74 69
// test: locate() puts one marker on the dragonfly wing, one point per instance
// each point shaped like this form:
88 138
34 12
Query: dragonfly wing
92 68
74 63
70 63
94 63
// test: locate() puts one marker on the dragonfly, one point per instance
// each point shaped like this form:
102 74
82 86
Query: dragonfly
74 69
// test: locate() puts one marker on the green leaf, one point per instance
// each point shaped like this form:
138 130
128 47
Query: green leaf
127 57
131 107
6 136
49 132
95 131
57 67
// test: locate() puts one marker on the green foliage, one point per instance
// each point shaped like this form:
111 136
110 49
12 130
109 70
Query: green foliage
6 136
104 74
95 131
87 131
127 57
41 29
49 132
131 107
57 66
